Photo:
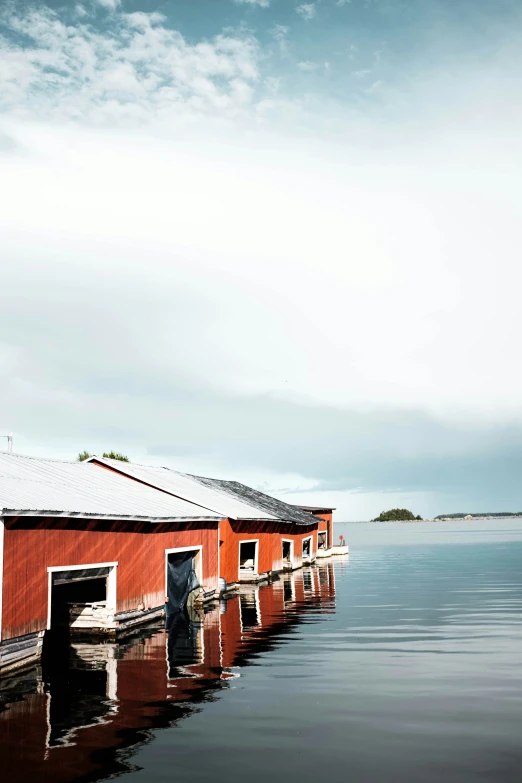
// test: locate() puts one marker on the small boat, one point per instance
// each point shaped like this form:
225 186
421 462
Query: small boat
341 549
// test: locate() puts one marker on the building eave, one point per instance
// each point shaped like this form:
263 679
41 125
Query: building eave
10 512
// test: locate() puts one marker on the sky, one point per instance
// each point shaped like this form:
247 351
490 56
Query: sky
268 240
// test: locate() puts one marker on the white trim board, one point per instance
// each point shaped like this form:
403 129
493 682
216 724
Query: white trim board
256 558
311 540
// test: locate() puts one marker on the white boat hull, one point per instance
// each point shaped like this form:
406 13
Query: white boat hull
334 550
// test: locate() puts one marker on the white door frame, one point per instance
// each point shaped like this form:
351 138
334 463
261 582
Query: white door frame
198 561
292 548
309 538
111 583
256 557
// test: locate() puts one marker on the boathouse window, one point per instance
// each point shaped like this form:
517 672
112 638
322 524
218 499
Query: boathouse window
321 540
306 547
248 555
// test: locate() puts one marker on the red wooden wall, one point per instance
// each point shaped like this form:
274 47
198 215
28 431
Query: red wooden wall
326 523
32 545
270 547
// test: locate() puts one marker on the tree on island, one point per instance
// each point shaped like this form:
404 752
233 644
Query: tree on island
83 455
396 515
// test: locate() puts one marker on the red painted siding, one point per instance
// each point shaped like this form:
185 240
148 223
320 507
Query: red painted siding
270 536
326 523
32 545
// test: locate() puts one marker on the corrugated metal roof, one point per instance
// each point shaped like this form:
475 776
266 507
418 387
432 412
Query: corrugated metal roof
229 498
190 488
52 487
283 511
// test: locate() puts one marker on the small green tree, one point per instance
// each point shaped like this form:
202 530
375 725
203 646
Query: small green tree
82 456
115 455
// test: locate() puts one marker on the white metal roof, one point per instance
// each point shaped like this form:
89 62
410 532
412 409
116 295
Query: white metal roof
182 485
228 498
33 486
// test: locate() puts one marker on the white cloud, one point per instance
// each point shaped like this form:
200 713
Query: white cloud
260 3
370 265
137 69
307 10
376 86
273 84
280 33
112 5
362 73
307 65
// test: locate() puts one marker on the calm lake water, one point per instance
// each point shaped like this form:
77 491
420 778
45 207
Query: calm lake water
401 662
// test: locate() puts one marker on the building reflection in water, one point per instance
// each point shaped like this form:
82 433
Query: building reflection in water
92 705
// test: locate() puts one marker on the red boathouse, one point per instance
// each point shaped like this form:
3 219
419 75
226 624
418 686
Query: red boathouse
258 534
82 547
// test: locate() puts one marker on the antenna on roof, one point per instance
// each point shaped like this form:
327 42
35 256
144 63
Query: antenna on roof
9 442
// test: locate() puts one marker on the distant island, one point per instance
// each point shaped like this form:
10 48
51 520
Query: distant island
405 515
396 515
489 514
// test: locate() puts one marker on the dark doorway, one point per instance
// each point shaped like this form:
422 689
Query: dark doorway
64 594
247 555
68 589
287 552
181 580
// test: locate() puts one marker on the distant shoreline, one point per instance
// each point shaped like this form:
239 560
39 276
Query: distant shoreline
420 521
